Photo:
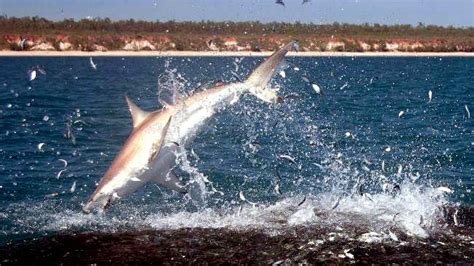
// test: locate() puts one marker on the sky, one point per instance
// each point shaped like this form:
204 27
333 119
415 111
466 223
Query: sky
435 12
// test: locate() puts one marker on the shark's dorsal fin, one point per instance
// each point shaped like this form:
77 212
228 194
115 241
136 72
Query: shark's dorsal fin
138 115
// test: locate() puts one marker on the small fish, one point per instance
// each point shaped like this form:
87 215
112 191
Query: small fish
396 190
401 113
93 65
282 74
69 134
277 183
383 166
240 210
59 173
241 196
277 188
303 201
33 72
64 162
346 251
344 86
392 236
430 96
80 121
52 195
455 217
292 96
40 70
280 2
348 134
445 189
337 203
317 89
278 262
296 68
32 75
115 195
400 169
73 187
395 216
305 79
467 111
40 147
388 149
175 143
367 196
287 157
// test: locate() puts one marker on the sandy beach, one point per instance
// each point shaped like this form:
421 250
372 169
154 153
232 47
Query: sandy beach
229 53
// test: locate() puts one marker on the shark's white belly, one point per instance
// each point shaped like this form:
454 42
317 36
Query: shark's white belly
187 122
132 176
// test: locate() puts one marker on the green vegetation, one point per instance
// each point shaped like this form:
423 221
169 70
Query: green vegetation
88 35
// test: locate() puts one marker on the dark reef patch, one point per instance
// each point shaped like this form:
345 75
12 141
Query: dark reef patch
310 244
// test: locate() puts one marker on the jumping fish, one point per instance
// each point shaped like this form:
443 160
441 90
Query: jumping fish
93 65
149 154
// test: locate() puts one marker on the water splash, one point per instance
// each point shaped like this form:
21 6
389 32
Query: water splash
171 85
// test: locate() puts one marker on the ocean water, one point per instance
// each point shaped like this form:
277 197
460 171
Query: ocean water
372 149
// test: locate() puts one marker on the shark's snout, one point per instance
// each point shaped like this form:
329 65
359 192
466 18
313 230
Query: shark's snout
97 203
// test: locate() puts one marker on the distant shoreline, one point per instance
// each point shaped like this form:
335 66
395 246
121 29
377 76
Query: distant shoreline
6 53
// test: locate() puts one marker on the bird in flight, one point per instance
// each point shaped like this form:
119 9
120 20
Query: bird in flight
280 2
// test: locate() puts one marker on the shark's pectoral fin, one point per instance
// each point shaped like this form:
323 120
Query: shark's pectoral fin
138 115
161 143
170 181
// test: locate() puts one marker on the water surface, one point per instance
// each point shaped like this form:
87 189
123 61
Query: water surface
373 149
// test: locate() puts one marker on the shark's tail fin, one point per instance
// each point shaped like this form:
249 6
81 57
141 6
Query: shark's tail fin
261 76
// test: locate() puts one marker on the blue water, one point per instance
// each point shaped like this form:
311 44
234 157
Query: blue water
339 140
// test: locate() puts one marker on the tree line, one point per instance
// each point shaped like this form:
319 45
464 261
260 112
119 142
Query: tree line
30 25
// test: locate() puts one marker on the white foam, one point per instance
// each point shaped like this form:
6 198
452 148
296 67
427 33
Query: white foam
415 211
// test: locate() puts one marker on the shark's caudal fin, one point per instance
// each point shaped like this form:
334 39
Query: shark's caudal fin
261 76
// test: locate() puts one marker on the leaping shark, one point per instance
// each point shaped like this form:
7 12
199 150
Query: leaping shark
149 154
